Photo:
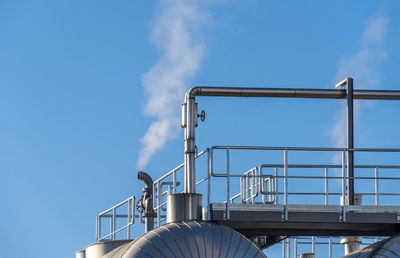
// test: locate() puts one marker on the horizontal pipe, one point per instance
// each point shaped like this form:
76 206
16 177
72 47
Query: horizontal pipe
292 93
301 148
325 166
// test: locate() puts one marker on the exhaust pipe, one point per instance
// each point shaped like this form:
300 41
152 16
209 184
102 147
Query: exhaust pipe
147 201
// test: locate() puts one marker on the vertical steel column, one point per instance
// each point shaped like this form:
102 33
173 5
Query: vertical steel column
190 173
350 141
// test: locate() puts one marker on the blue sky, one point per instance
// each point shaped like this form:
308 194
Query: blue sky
73 99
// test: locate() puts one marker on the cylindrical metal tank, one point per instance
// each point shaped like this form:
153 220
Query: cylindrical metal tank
189 239
80 254
389 248
184 206
97 250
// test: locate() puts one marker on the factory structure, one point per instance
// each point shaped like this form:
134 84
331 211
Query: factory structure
239 201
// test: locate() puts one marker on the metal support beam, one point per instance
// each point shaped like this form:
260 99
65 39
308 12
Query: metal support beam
191 114
350 140
350 137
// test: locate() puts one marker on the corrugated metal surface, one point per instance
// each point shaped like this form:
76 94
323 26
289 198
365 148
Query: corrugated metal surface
189 239
388 248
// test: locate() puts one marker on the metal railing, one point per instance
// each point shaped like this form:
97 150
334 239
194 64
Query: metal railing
266 184
294 246
253 182
256 183
112 215
170 180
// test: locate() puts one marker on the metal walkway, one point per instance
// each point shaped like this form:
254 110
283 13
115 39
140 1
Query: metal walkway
308 220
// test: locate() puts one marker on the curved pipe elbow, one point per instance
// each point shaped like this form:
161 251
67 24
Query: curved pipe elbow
146 179
192 92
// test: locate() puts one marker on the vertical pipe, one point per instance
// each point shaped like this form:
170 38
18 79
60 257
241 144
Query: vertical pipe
190 173
330 247
326 186
227 185
350 140
295 248
285 185
376 187
289 247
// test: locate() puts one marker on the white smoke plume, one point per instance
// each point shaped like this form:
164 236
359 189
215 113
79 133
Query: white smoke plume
364 68
176 32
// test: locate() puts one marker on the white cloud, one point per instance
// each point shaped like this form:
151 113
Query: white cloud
364 68
177 33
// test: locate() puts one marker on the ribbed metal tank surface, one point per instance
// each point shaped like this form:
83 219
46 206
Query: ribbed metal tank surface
388 248
189 239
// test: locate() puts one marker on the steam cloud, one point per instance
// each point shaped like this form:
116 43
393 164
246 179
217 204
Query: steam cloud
364 68
176 33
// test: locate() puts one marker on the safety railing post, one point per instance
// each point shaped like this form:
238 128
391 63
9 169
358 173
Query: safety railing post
227 215
98 228
128 230
209 161
376 187
276 186
343 187
174 182
113 224
159 203
326 186
313 245
284 248
285 185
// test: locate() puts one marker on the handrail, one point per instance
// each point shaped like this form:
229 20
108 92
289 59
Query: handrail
256 184
113 231
345 179
158 193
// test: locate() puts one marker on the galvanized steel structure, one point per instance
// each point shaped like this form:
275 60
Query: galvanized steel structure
261 211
